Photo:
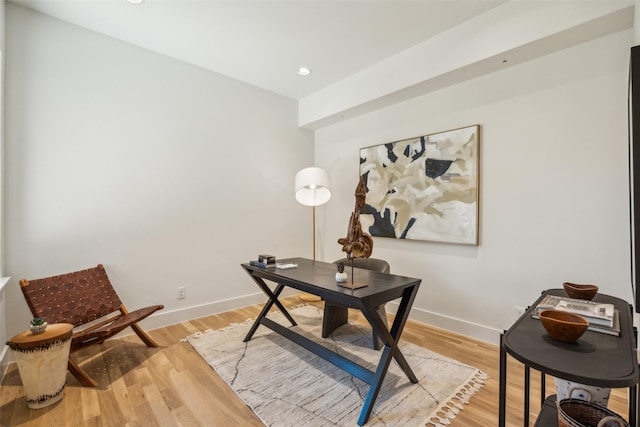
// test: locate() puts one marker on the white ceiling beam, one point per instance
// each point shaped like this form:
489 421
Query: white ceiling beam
514 32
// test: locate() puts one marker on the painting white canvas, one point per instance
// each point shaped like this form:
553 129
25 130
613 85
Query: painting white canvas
424 188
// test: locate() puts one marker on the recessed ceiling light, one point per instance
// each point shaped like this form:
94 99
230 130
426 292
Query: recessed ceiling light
135 1
304 71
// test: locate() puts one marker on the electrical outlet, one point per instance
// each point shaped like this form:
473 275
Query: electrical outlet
181 292
519 311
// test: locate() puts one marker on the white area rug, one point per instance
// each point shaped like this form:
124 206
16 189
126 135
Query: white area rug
286 385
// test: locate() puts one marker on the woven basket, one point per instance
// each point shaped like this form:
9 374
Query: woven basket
580 413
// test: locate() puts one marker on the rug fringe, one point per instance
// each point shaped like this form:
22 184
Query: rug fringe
195 335
452 406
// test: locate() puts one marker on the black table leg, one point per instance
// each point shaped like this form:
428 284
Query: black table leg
273 299
633 405
391 350
333 317
390 338
375 386
527 382
272 295
503 385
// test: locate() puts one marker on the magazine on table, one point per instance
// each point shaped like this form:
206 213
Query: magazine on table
596 313
614 330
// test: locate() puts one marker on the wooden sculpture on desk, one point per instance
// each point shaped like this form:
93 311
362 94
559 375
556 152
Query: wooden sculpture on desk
357 243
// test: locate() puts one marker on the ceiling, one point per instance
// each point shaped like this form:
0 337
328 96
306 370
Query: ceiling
263 43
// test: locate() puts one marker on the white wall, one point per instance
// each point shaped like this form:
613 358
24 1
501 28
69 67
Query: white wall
167 174
554 185
3 321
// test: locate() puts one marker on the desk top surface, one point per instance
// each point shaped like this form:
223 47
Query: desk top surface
595 359
319 278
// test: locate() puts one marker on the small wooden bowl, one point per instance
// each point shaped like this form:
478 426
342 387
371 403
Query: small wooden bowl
563 326
574 290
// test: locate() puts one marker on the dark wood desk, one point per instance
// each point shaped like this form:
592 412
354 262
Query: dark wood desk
318 278
595 359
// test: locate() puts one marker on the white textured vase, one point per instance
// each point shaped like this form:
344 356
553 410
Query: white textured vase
572 390
341 277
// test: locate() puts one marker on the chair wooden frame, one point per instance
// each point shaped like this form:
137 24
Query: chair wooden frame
84 298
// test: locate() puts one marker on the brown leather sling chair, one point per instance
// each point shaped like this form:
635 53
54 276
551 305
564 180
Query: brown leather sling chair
83 297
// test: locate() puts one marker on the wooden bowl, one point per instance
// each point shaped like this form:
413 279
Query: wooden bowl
574 290
563 326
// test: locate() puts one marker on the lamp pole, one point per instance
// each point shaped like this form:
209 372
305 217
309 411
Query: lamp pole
314 233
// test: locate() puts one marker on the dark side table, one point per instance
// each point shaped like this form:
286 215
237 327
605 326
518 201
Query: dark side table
596 359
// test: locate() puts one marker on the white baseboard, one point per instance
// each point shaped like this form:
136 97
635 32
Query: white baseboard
5 358
164 318
473 330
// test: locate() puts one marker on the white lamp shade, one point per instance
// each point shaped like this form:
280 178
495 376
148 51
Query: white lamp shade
312 187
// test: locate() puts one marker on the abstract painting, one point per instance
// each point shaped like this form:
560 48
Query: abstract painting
424 188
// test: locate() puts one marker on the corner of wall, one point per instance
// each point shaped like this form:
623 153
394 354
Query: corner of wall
4 362
4 354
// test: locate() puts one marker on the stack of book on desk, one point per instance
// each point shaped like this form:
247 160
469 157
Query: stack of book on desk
602 317
264 261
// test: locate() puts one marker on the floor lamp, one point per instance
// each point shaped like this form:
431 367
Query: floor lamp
312 189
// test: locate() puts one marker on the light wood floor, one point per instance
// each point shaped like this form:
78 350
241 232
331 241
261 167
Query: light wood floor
174 386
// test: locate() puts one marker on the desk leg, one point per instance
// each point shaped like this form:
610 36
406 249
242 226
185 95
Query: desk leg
273 299
502 403
527 383
391 338
390 350
633 405
333 317
374 389
273 296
